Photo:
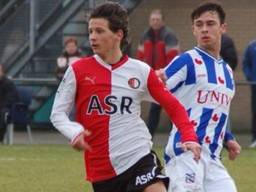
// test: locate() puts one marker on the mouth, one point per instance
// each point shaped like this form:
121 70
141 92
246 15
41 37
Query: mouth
205 38
94 46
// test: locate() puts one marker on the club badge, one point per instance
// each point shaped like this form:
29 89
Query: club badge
134 83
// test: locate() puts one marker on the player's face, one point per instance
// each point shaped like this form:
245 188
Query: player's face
103 41
207 30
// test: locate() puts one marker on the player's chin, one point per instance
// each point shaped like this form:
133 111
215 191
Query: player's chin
96 50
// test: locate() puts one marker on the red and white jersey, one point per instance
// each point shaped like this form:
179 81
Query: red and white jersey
107 99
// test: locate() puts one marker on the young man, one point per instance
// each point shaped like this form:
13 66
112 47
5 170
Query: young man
204 84
107 89
158 46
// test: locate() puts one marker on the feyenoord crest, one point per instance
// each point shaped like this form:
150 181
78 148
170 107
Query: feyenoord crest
134 83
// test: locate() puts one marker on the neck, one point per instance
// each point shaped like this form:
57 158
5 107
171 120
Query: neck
215 52
112 57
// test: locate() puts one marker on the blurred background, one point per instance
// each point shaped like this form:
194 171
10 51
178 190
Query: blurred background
33 32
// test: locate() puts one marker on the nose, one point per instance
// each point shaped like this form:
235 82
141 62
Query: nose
204 29
92 36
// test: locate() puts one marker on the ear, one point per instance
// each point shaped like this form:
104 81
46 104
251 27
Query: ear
120 34
193 29
224 27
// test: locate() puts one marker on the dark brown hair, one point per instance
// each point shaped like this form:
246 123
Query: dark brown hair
117 17
208 6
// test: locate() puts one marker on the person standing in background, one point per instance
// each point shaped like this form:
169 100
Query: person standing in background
70 55
249 68
8 95
228 51
157 47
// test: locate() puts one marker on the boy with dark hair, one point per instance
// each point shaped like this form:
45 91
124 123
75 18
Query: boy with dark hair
204 84
107 90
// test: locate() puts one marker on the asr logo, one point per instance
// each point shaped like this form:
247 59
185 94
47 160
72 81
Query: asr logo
134 83
143 179
109 105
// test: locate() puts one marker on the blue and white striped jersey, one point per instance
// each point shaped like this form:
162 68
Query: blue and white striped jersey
205 86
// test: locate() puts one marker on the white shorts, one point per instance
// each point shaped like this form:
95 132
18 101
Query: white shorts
207 175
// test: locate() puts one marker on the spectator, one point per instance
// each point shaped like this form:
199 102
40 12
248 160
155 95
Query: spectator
8 95
228 51
249 68
204 84
107 89
158 46
70 55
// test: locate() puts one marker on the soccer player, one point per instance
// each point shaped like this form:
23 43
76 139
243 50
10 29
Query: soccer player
107 89
204 84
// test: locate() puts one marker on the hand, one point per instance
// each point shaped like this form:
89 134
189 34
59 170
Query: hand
160 74
194 147
234 149
79 142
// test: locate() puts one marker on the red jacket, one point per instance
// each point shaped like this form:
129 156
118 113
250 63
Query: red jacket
158 48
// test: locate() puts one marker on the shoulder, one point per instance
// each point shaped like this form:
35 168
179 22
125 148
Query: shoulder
186 57
252 44
168 31
138 63
146 34
82 61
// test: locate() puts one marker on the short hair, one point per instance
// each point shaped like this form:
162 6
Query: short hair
157 11
209 6
69 40
117 17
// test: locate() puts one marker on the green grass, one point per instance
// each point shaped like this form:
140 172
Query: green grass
51 168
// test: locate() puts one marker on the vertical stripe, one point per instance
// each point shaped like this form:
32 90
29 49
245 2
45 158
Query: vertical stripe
175 66
214 145
191 73
210 67
204 121
229 82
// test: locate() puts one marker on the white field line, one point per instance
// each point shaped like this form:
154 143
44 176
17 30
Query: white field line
24 159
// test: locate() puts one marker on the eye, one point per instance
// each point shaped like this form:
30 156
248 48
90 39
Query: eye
198 24
99 30
211 23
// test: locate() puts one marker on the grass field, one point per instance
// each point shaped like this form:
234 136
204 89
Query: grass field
52 168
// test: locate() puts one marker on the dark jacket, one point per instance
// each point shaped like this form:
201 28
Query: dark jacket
249 61
8 93
228 51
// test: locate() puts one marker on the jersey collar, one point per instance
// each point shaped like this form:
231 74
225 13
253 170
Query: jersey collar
114 66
